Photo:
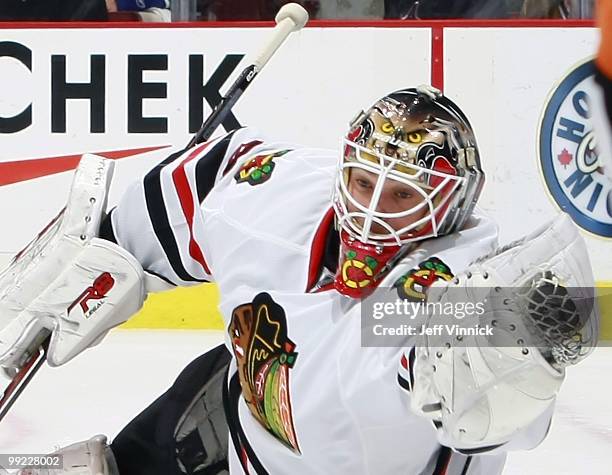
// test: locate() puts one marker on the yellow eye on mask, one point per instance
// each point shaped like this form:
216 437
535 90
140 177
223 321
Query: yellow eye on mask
387 128
415 137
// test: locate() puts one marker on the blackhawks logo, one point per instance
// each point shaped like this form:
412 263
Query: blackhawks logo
258 169
357 272
264 356
413 285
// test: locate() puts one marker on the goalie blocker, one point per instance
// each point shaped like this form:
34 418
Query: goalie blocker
67 283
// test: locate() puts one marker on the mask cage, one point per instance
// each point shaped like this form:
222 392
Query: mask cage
436 188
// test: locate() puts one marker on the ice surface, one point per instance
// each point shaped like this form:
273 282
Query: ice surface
102 389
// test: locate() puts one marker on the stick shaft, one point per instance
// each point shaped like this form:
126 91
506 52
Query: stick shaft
279 34
23 377
224 107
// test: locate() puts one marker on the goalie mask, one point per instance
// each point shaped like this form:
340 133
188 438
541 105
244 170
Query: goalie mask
409 171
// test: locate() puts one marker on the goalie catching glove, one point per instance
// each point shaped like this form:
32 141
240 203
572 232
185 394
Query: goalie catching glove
67 282
539 306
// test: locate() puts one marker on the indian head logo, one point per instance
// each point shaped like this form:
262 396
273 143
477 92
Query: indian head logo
264 356
568 153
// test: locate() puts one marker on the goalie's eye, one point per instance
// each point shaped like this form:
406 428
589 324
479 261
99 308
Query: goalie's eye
415 137
364 184
403 195
387 128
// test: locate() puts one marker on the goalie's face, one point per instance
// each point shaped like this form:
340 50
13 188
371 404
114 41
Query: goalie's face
409 170
394 199
389 195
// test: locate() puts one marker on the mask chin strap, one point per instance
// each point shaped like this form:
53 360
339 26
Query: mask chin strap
361 266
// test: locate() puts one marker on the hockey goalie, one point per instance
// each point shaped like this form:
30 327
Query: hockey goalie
298 241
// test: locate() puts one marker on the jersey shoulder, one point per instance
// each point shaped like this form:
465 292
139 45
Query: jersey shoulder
442 258
254 158
268 202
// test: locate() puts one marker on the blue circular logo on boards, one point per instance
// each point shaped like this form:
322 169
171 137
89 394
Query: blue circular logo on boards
568 155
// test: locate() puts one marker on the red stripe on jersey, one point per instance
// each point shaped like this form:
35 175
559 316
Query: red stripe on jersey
317 249
444 458
244 460
185 194
242 150
404 362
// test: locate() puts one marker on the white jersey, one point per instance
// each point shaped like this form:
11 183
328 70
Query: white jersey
303 395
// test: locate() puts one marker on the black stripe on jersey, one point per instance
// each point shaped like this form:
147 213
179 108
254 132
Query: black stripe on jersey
411 359
206 169
231 398
403 383
107 233
449 462
467 466
444 456
106 228
159 218
159 276
229 416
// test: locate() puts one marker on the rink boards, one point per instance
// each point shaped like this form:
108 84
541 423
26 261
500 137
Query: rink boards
133 93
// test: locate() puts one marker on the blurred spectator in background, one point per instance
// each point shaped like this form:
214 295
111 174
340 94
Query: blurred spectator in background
139 10
247 10
53 10
448 9
351 9
557 9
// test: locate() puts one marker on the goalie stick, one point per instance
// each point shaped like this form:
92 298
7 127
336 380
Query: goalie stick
291 17
24 375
